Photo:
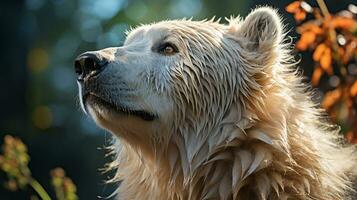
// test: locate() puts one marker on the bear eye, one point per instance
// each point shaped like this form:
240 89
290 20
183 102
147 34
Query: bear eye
168 49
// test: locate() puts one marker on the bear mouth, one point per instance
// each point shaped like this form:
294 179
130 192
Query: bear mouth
92 98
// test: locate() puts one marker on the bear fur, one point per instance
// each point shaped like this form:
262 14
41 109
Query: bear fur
227 115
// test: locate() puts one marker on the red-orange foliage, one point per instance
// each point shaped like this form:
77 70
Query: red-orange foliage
333 40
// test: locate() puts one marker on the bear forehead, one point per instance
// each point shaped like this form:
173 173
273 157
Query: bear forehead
177 28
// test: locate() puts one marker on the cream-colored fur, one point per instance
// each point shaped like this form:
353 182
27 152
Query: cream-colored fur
234 120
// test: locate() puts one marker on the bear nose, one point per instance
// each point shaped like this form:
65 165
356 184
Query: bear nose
89 64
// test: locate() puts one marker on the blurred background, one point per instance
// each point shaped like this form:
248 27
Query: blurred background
38 90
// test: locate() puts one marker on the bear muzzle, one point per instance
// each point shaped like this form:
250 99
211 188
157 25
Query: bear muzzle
89 64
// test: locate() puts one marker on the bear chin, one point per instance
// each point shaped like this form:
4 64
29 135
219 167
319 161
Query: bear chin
104 107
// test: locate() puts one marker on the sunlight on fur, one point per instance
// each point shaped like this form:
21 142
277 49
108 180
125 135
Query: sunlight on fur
225 115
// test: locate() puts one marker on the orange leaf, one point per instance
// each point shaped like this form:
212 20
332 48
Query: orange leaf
350 48
291 8
300 15
316 75
331 98
344 23
326 60
310 26
306 39
300 45
353 89
319 51
316 29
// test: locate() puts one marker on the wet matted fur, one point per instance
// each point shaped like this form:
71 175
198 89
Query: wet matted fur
231 118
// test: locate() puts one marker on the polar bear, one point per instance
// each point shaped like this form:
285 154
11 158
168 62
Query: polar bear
206 110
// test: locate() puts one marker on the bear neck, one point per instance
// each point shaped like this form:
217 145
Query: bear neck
240 158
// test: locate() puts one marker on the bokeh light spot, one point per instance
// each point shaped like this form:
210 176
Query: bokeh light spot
37 60
114 37
334 81
65 47
183 8
136 11
90 30
42 117
103 9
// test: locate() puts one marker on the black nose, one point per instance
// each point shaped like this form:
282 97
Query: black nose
89 64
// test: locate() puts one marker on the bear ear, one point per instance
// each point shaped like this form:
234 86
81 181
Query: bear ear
261 30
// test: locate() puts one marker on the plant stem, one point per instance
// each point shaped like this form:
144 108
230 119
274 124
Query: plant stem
323 8
39 189
332 35
327 15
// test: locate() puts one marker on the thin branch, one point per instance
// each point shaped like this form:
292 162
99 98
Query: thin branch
323 8
332 34
39 189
